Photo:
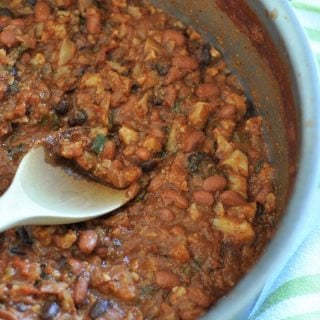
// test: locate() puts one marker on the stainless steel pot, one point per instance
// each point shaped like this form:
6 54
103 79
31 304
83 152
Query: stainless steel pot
264 44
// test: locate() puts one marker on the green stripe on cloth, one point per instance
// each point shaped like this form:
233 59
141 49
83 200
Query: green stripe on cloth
306 316
306 6
313 34
291 289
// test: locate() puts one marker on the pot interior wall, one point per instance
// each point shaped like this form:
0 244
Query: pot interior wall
258 60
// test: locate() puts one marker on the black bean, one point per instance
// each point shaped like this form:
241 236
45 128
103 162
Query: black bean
260 210
251 110
82 70
62 107
21 307
148 166
194 161
99 308
14 71
24 236
205 56
62 263
162 68
155 99
45 276
5 12
78 226
71 90
32 2
134 88
28 110
225 247
78 118
18 251
49 310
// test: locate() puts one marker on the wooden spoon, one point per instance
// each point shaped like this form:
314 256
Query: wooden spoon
41 193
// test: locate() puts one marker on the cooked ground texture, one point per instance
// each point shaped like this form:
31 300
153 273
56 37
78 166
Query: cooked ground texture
140 101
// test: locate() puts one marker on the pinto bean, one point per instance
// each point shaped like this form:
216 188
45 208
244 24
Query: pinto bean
65 241
93 20
173 35
172 196
7 315
133 190
232 198
87 241
178 230
76 266
203 197
109 151
166 279
214 183
41 11
156 183
199 297
143 154
166 214
192 141
185 62
173 75
180 253
132 173
227 112
158 133
8 37
80 290
155 115
207 90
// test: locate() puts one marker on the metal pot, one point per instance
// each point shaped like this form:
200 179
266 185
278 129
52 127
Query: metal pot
265 46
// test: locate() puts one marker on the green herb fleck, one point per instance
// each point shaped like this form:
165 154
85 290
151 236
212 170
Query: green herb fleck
43 121
186 269
160 154
177 107
258 166
140 196
14 87
196 264
110 120
96 49
54 121
98 143
147 290
51 120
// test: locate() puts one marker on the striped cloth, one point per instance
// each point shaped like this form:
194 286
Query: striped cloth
295 295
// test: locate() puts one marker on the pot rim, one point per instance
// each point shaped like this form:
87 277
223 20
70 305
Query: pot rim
299 217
